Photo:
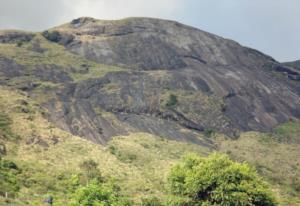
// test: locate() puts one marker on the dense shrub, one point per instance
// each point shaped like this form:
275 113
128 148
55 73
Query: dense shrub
123 156
57 37
217 180
9 183
209 132
98 194
172 101
53 36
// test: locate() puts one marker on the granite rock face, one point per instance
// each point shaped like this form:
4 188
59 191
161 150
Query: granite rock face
216 84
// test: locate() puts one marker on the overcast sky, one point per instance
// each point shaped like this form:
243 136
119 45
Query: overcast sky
271 26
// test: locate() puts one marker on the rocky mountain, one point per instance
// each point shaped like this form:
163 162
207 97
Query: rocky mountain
108 100
294 64
99 79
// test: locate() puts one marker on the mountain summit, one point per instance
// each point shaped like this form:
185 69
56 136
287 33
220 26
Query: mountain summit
100 78
101 112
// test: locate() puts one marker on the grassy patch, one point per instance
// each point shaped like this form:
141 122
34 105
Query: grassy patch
277 162
95 71
288 132
5 126
40 51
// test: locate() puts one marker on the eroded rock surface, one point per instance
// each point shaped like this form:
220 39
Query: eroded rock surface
216 83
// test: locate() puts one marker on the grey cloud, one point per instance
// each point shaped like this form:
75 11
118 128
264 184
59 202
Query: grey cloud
31 14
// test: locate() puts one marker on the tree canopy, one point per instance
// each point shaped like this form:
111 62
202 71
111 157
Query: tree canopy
217 180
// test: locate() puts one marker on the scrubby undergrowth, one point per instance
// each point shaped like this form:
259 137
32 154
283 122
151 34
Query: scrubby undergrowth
132 169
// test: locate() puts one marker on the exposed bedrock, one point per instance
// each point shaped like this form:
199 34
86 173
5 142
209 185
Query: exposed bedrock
177 82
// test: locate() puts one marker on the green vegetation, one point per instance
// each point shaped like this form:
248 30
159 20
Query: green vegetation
95 70
138 164
278 162
217 180
151 201
288 132
92 189
137 169
122 155
52 35
209 132
29 55
5 126
91 171
172 101
98 194
9 183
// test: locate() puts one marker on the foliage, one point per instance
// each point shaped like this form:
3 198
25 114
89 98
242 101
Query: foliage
123 156
265 153
175 200
98 194
151 201
91 171
94 191
172 101
9 183
288 132
5 126
19 43
209 132
55 171
217 180
53 36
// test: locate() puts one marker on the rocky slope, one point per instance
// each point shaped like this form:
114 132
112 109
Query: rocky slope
99 79
294 64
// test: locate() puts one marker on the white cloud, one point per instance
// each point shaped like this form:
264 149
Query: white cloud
116 9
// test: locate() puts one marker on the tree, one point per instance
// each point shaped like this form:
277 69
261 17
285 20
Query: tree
98 194
9 183
217 180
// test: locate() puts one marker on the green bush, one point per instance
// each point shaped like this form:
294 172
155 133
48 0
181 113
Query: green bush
172 101
9 183
217 180
123 156
53 36
98 194
19 43
209 133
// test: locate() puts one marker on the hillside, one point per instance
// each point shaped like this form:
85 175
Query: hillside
135 95
49 157
94 72
294 64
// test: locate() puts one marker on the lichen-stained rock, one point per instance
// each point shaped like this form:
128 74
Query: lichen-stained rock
176 81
